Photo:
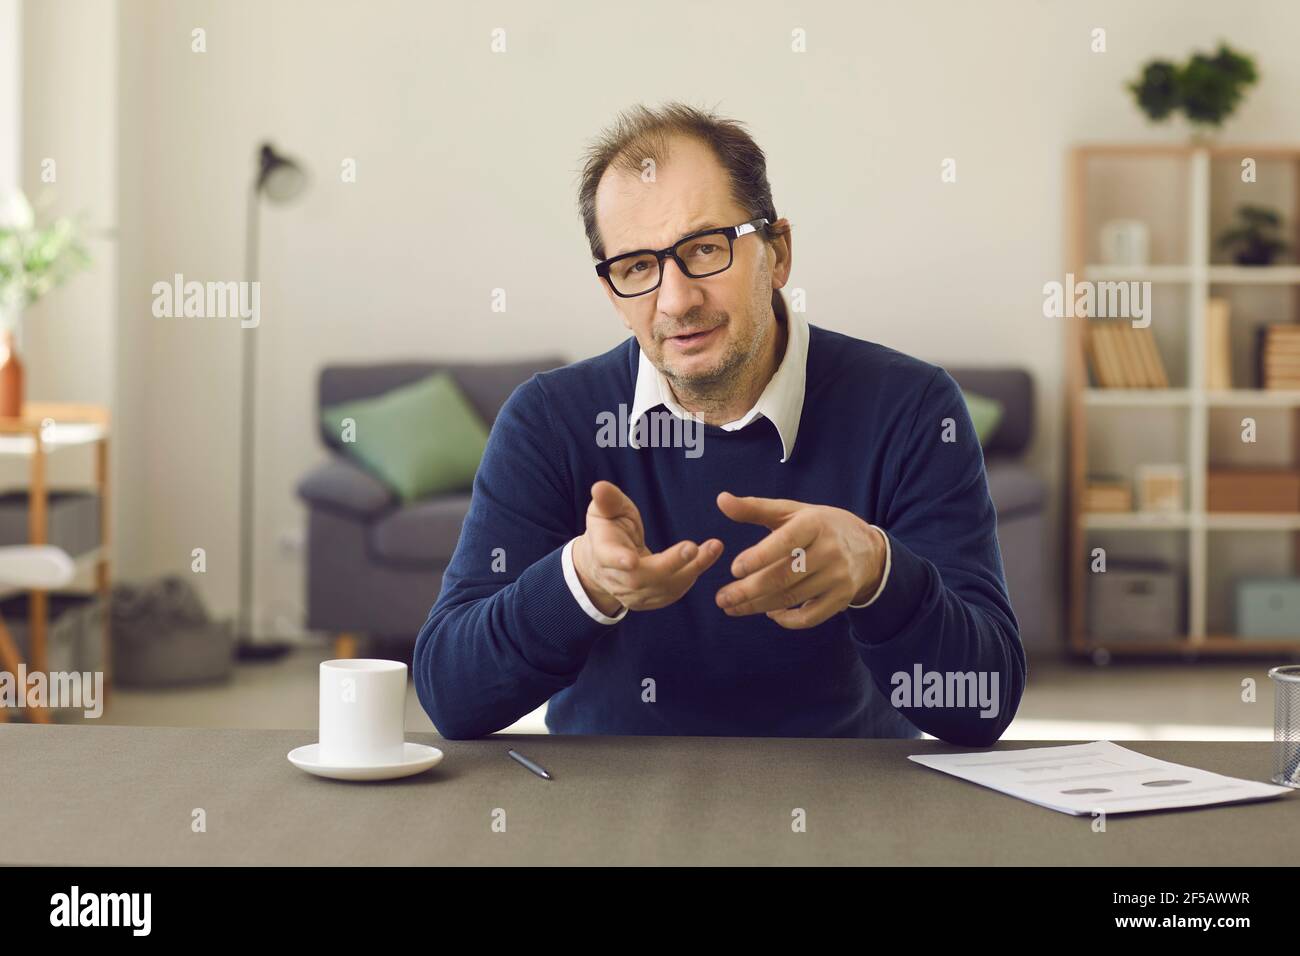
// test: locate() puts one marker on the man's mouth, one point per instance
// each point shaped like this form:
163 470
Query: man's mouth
691 339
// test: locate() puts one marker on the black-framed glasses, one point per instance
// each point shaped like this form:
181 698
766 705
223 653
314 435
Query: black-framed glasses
703 253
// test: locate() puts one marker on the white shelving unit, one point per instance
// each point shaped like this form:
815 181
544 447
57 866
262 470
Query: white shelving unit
1190 401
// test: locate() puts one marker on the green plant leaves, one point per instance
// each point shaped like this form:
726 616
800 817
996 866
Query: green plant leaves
1207 88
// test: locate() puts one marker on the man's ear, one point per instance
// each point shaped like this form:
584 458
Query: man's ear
782 247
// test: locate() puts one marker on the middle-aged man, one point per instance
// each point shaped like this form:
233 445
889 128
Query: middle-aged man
734 522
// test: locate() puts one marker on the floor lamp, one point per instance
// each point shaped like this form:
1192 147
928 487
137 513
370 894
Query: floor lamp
281 181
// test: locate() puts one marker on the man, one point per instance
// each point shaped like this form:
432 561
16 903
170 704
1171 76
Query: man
734 523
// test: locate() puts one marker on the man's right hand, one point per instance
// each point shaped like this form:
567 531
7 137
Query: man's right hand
615 567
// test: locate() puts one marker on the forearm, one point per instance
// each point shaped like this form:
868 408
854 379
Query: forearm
483 660
919 626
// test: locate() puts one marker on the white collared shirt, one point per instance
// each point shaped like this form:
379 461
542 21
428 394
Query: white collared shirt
781 403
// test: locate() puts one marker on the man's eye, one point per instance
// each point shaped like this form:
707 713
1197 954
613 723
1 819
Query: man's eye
703 249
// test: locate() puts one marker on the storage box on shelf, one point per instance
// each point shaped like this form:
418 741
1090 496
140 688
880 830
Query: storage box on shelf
1243 490
1267 607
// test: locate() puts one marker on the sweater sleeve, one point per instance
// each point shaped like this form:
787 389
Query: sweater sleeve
945 608
505 632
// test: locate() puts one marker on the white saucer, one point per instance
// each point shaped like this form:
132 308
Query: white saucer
416 758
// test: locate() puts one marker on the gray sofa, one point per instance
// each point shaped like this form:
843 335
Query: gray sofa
375 568
1019 496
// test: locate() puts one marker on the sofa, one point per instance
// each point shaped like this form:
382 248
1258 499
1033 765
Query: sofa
1020 498
374 568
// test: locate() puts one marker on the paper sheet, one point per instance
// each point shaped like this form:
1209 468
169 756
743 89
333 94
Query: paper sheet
1101 776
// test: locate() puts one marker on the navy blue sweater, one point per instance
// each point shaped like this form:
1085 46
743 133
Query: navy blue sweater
506 633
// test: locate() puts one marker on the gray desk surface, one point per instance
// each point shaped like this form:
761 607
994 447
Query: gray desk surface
84 795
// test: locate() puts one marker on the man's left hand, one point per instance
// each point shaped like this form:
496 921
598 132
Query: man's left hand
816 562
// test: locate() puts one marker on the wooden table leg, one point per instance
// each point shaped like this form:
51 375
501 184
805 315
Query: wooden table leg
38 604
345 646
9 660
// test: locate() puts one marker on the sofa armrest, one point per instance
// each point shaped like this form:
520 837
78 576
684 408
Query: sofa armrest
339 485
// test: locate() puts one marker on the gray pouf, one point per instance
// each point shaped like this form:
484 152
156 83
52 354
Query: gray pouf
162 636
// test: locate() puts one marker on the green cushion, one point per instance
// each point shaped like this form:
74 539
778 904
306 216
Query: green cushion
985 414
421 439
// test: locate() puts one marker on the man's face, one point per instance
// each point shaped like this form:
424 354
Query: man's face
698 332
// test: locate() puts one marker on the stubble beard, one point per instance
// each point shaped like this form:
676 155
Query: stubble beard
717 386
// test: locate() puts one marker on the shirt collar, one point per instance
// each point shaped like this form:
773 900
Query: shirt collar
781 401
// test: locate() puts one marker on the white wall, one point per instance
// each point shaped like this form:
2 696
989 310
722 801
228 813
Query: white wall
70 129
11 112
467 166
68 70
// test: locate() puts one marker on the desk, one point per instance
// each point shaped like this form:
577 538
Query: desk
94 795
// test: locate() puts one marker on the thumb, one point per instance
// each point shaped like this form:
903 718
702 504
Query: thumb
608 501
769 512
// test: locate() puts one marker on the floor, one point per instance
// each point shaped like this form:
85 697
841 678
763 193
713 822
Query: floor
1124 701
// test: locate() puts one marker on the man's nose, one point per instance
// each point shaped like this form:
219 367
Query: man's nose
678 292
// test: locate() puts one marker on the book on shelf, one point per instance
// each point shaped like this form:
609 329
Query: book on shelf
1155 368
1108 494
1122 356
1218 344
1277 354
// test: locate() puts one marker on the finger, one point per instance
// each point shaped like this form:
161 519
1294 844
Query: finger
653 569
777 548
608 501
614 557
773 589
612 544
769 512
710 551
809 614
658 593
609 506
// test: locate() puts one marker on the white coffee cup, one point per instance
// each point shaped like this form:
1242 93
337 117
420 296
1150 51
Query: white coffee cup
362 712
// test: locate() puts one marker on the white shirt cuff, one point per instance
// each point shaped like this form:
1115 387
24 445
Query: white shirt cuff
885 576
580 595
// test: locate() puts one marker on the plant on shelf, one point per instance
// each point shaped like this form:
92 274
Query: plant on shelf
1255 237
1207 88
34 259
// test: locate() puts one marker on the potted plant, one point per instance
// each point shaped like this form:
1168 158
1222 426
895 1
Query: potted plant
1207 88
1255 238
33 260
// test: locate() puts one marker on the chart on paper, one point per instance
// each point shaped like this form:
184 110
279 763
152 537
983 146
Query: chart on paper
1097 777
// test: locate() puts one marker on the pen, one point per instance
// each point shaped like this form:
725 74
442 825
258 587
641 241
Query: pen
516 756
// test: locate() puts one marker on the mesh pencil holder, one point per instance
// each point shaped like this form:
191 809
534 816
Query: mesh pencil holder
1286 724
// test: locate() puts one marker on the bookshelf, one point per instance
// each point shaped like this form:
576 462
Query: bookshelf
1184 195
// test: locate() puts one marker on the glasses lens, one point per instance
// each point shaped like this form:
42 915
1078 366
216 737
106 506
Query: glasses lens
635 274
705 255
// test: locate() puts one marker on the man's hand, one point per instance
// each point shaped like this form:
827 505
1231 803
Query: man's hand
840 562
615 567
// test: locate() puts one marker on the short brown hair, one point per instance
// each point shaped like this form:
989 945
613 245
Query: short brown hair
641 133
